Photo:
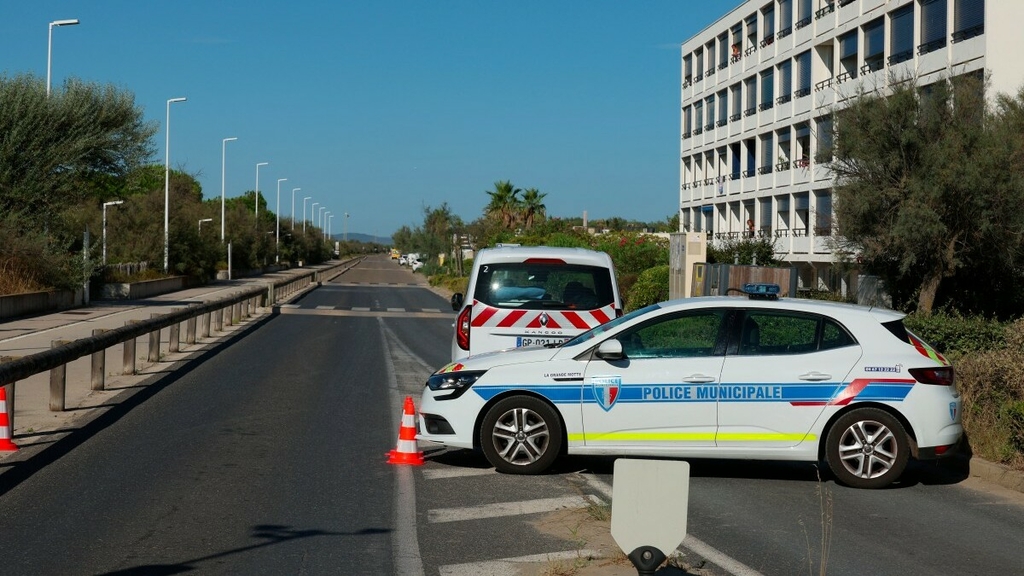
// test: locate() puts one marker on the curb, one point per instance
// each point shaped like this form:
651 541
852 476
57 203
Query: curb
996 473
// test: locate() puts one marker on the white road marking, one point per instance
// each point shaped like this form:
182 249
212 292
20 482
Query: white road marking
396 309
325 307
720 559
361 308
508 566
430 310
501 509
288 306
443 473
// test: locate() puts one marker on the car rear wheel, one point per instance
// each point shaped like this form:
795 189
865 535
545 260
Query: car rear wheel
521 435
867 448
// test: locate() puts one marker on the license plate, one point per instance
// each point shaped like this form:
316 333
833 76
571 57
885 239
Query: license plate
530 341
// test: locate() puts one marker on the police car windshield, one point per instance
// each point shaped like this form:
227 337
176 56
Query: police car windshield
610 325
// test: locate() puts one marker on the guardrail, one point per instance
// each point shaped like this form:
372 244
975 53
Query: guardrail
199 319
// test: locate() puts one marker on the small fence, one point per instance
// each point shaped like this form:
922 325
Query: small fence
199 320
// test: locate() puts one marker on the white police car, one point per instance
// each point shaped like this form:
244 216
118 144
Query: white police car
715 377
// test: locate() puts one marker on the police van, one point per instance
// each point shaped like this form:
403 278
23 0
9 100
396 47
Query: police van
522 296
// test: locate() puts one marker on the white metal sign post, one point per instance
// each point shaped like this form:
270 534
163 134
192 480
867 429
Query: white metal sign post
649 501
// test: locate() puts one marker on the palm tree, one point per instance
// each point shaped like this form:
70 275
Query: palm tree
504 203
532 206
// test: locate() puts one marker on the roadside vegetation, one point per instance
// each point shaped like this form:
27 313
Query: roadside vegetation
63 156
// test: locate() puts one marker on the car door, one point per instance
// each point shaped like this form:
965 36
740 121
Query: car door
656 397
781 370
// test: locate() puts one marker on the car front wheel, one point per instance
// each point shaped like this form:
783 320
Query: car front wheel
521 435
867 448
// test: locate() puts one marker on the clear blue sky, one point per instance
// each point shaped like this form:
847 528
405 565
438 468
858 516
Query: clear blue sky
379 108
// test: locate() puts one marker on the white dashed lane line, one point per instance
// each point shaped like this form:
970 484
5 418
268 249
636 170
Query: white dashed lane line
501 509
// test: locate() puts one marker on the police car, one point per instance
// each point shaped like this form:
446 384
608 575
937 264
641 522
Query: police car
716 377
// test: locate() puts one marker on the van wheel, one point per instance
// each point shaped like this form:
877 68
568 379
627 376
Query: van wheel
867 448
521 435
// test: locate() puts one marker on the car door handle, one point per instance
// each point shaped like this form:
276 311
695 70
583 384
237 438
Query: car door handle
815 376
699 379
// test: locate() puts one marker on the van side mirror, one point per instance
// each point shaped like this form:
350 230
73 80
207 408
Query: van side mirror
457 301
610 350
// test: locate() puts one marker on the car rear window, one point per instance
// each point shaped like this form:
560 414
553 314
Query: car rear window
544 285
897 329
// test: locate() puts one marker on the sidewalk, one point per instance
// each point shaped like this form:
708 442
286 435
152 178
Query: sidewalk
35 427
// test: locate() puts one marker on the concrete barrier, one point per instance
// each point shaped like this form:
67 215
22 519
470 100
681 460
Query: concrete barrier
15 305
144 289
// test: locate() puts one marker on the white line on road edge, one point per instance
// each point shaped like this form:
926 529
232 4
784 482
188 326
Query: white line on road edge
508 566
405 542
720 559
443 473
501 509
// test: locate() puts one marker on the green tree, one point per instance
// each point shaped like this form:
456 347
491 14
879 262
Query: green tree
533 206
928 184
505 203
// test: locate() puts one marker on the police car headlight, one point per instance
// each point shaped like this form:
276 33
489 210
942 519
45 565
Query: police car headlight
454 380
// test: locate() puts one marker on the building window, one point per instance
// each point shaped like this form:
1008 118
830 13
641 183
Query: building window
785 18
710 103
723 109
823 127
736 102
767 89
803 74
803 13
822 213
847 56
901 35
786 79
933 26
874 45
769 26
723 53
750 86
687 70
968 19
698 117
766 154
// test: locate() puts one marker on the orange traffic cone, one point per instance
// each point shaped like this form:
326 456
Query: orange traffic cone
5 425
405 452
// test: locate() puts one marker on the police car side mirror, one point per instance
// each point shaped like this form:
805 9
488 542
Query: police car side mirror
609 350
457 301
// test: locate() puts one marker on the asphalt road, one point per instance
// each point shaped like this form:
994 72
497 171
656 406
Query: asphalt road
268 458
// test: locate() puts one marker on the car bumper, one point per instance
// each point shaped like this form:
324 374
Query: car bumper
450 422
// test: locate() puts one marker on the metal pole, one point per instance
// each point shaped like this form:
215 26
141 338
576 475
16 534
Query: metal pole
293 206
49 47
277 230
167 181
258 188
304 212
223 158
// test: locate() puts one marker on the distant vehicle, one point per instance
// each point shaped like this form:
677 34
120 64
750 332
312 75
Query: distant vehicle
415 265
533 295
711 377
395 254
403 260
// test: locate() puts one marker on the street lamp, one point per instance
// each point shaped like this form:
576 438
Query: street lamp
277 230
49 47
304 213
167 180
293 206
323 227
320 217
258 187
330 222
223 151
105 204
312 211
201 224
346 227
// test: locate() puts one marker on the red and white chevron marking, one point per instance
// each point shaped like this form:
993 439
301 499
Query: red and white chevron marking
491 317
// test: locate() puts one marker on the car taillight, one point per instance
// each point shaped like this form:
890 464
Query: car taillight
618 312
940 376
462 328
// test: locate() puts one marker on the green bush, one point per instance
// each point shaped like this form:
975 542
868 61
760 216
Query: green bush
651 286
955 335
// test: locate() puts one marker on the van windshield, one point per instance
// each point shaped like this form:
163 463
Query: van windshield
544 285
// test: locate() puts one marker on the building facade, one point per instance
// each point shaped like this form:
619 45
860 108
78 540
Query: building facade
758 87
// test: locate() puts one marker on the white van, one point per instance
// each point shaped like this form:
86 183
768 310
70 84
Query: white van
532 296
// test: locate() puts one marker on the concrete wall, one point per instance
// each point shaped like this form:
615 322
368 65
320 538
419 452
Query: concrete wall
145 289
14 305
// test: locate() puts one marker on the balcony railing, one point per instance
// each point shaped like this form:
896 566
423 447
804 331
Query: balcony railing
687 134
687 82
900 57
749 111
685 186
782 166
802 162
873 66
767 41
801 92
783 99
723 65
822 230
733 176
748 173
764 106
721 122
825 11
709 126
710 71
844 77
968 33
931 46
698 131
783 33
802 22
734 117
764 170
709 181
751 50
698 77
827 83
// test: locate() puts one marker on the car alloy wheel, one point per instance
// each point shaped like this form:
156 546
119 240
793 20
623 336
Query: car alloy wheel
867 448
521 435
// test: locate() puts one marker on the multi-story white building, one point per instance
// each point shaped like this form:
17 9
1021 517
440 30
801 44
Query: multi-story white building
758 86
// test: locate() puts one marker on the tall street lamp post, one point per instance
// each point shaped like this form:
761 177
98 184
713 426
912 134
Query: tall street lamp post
258 187
201 224
320 217
105 204
294 190
312 212
327 216
167 181
346 228
49 47
223 152
277 229
304 212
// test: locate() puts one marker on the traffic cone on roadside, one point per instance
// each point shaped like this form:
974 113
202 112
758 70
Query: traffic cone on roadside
405 452
5 425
